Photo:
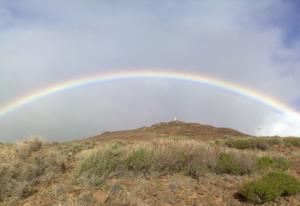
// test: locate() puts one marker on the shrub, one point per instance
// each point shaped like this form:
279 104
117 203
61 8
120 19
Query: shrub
279 163
25 165
260 143
160 157
229 163
248 144
292 141
270 187
265 162
139 160
95 168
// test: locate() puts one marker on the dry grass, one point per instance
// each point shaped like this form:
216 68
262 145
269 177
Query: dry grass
161 157
32 165
23 166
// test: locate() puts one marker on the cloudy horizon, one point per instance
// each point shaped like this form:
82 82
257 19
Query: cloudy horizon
252 44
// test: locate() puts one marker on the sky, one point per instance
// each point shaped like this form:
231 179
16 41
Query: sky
255 44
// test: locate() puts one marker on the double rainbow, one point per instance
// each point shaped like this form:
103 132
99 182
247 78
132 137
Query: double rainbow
105 77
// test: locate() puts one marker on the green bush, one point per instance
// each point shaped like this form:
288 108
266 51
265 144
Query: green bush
139 160
95 168
160 157
265 162
270 187
252 143
228 164
260 143
279 163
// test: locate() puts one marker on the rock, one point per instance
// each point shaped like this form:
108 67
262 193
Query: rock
218 201
173 186
100 196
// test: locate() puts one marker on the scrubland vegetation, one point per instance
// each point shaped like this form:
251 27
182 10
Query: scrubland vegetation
79 173
24 165
161 157
263 143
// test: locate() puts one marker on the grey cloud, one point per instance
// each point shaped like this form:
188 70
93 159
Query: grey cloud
47 42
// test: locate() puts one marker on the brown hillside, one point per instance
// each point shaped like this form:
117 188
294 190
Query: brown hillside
174 128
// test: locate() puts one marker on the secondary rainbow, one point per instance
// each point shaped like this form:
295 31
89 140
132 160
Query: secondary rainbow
137 74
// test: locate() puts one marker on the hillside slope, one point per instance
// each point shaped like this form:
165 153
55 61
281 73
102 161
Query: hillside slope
166 164
173 128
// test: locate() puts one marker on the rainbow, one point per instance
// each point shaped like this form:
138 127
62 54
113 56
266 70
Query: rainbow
137 74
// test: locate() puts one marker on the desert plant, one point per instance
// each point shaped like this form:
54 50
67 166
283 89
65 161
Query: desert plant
24 165
139 160
229 163
260 143
281 163
277 162
95 168
160 157
270 187
292 141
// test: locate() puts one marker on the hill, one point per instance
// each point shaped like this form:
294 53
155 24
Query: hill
174 128
172 163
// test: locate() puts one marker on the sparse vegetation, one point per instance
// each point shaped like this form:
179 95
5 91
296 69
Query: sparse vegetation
171 168
270 187
98 166
292 141
162 157
23 166
233 163
259 143
262 143
277 162
139 160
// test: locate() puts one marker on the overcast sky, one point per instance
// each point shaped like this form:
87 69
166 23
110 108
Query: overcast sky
251 43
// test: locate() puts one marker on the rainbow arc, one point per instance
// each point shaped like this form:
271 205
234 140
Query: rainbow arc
138 74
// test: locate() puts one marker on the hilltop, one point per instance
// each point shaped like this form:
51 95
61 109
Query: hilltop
170 163
173 128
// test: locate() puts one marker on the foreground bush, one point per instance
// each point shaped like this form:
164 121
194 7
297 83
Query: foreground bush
161 157
270 187
23 166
